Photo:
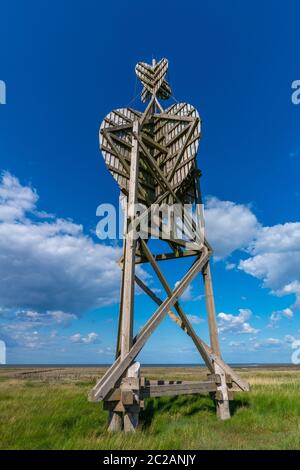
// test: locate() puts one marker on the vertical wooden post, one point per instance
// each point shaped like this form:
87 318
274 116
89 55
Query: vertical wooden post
123 205
130 419
131 415
129 259
223 410
115 419
211 310
125 334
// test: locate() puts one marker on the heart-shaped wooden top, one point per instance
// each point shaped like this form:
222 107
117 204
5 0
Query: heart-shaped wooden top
172 139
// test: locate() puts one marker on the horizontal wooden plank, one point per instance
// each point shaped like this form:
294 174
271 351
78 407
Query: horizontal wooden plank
217 379
158 388
186 388
168 256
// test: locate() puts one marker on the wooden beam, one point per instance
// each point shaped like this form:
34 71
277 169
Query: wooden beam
158 301
123 204
159 105
211 310
154 144
178 308
173 117
180 153
114 128
130 247
168 256
222 396
158 388
106 383
241 384
130 395
130 419
146 112
185 388
165 184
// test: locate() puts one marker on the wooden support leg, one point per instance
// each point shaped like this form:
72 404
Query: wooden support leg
223 411
131 415
115 421
211 310
222 403
116 371
126 336
125 333
131 420
123 204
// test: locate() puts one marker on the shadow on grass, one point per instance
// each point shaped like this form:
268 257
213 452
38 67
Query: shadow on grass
188 406
238 403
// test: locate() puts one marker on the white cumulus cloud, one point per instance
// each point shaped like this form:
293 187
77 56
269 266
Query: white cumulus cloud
90 338
49 264
195 319
229 226
275 259
15 199
278 315
273 252
236 323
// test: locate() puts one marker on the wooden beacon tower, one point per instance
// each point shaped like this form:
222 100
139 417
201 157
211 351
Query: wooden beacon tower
152 156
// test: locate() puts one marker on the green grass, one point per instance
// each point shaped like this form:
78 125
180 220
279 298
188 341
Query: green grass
39 414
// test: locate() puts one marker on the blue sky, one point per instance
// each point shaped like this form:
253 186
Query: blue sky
66 65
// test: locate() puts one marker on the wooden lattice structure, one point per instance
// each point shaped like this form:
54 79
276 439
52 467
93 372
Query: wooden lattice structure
152 156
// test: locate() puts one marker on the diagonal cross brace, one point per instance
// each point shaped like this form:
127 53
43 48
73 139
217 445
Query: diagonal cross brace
182 322
115 372
165 184
183 317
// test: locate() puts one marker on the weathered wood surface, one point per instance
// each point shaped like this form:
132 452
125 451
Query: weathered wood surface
130 395
174 143
211 311
160 388
222 396
200 344
155 391
185 388
186 323
130 248
103 387
152 156
153 79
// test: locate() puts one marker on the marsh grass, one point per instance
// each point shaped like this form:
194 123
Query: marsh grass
40 413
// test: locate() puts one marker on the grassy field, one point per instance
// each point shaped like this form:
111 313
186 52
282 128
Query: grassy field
49 410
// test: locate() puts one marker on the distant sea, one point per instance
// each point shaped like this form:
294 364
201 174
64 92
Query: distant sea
245 364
